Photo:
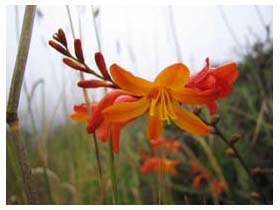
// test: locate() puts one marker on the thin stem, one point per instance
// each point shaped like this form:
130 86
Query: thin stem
87 100
13 100
100 177
113 174
242 162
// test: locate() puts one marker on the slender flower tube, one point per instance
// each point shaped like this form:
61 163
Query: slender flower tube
220 79
162 100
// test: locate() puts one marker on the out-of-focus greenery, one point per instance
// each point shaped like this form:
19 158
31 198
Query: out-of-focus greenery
67 152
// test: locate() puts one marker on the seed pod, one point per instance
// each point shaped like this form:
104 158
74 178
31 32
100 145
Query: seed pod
74 64
234 138
62 37
230 152
58 47
100 62
94 83
79 50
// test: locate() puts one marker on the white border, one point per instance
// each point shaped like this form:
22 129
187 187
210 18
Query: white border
276 92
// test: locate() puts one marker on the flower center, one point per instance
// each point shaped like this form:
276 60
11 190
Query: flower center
161 104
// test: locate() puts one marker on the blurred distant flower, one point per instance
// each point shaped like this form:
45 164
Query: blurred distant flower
103 128
164 165
218 186
169 145
161 98
220 79
205 175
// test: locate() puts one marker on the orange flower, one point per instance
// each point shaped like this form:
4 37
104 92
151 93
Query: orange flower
220 79
103 128
163 164
218 185
161 98
169 145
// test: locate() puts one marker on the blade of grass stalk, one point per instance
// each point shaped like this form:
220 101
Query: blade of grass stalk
258 124
13 100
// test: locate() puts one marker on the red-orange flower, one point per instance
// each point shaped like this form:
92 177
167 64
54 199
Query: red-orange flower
103 128
220 79
161 98
163 165
169 145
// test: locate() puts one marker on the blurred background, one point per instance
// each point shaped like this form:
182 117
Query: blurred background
143 39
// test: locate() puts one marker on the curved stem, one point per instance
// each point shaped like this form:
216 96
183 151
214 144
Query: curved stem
241 160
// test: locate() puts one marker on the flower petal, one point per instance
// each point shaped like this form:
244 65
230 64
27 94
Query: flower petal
106 101
227 72
154 127
212 106
102 131
122 112
150 164
190 96
175 75
189 122
127 81
116 132
79 116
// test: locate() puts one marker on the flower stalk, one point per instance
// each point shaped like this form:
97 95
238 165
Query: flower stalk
240 159
113 174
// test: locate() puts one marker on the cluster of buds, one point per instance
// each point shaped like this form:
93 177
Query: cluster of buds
77 62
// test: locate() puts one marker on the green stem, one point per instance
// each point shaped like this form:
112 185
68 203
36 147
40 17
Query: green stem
113 174
242 162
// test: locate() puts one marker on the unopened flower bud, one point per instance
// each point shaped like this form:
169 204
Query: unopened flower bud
230 152
255 195
94 83
234 138
55 37
74 64
79 50
214 119
100 62
197 110
62 37
58 47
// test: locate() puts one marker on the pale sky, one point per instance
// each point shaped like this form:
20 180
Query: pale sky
137 38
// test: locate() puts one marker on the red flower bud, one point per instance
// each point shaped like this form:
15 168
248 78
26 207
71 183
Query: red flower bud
55 37
58 47
100 62
94 83
62 37
74 64
79 50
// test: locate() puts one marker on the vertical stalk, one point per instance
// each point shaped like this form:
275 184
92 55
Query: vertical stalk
87 100
113 174
13 100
